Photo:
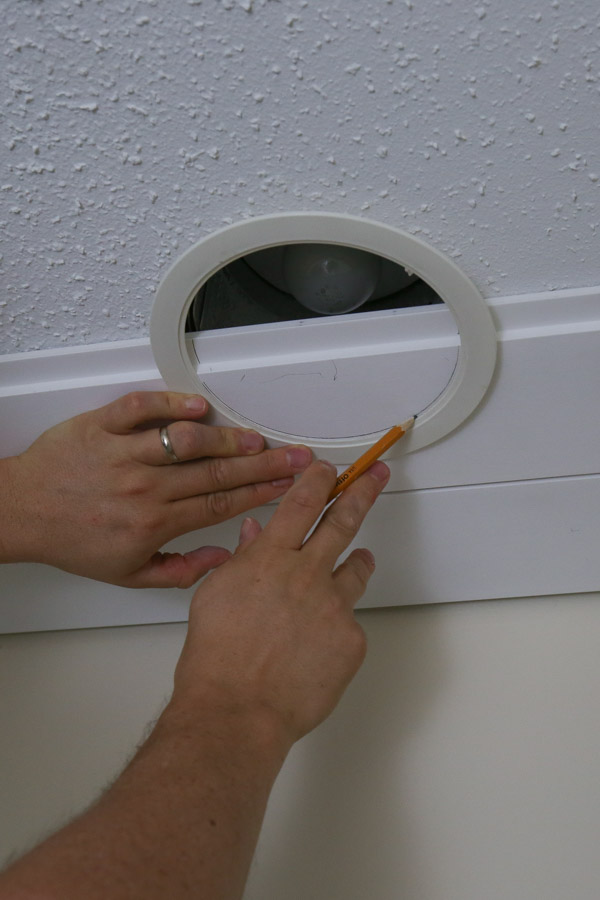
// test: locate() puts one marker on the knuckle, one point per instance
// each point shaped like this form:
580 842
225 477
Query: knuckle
365 564
135 402
345 520
173 405
148 525
226 439
273 463
220 505
305 499
217 472
136 484
357 641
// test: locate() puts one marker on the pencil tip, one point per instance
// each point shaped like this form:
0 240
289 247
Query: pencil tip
408 424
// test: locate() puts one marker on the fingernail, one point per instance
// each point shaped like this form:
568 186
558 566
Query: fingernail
379 471
246 529
252 441
282 482
197 404
298 457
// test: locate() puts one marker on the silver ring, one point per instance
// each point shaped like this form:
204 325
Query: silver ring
168 446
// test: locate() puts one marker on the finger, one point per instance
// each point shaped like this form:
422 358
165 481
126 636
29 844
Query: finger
222 474
191 440
210 509
339 526
352 576
124 415
302 506
164 570
249 531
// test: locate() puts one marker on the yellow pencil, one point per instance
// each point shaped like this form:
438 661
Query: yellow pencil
372 454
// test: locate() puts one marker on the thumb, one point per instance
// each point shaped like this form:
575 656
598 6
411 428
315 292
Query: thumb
182 570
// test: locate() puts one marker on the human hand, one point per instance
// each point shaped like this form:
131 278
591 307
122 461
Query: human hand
272 632
271 645
97 495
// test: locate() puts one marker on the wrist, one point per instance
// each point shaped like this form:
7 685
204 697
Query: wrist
248 732
17 526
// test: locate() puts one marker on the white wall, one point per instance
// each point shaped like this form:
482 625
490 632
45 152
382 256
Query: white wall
134 127
463 762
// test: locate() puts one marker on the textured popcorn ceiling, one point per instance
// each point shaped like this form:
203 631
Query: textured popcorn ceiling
131 129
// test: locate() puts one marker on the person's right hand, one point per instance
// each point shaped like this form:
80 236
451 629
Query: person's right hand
272 631
272 643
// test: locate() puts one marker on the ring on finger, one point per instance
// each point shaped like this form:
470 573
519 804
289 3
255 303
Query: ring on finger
167 445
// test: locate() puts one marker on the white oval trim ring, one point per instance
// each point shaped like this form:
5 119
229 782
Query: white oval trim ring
478 345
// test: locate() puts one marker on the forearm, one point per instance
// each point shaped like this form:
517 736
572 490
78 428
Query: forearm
182 821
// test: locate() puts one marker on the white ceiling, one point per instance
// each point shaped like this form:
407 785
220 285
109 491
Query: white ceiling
131 128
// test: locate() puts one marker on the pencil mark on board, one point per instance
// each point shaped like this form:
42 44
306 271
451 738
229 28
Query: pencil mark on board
292 375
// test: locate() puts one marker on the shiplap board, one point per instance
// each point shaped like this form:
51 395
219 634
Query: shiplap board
432 546
537 420
505 506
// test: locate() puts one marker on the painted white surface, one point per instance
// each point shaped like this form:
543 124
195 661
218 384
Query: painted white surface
547 373
446 407
505 506
431 546
462 763
134 127
354 398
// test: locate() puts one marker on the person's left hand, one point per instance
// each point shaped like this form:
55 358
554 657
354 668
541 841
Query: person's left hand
99 496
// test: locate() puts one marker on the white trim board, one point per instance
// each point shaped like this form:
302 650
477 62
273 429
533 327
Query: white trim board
485 542
506 506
